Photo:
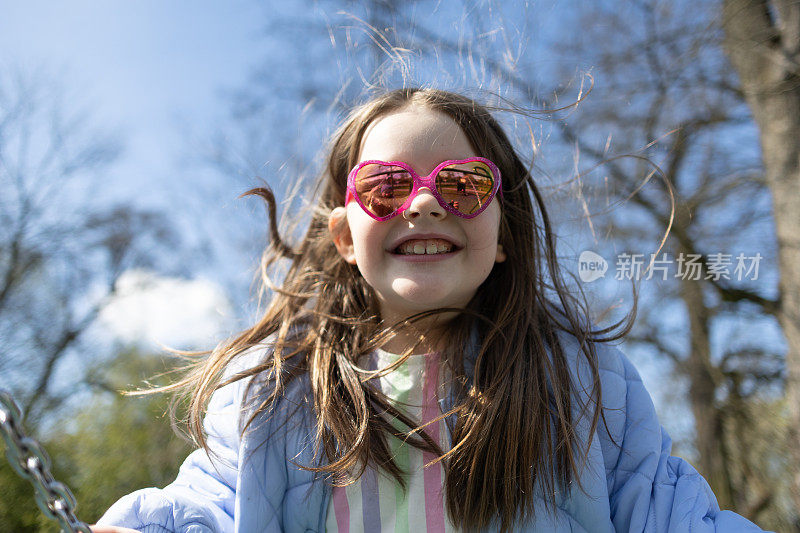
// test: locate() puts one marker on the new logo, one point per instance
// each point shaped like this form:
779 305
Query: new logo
591 266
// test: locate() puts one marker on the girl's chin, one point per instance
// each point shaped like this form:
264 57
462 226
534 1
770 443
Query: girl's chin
418 297
408 303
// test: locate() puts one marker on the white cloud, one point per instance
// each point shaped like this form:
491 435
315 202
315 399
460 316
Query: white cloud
152 311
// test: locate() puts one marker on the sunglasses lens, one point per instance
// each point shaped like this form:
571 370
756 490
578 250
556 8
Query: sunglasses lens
466 187
382 189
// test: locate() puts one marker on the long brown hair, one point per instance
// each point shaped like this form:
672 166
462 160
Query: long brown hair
514 429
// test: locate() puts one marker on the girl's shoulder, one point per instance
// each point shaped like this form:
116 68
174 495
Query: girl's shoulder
612 363
249 377
261 353
624 398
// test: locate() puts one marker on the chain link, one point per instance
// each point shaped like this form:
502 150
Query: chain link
31 462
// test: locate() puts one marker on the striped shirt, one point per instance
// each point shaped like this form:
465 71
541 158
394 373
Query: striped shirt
376 502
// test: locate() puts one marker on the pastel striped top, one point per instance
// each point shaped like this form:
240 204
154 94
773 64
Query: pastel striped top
376 502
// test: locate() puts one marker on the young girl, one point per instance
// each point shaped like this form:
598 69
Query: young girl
422 367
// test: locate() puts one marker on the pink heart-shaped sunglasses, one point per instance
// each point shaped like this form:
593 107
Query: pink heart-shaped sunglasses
463 187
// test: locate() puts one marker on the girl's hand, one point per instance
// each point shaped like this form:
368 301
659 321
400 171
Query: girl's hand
111 529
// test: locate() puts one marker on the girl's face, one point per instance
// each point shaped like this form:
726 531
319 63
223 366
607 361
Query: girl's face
406 283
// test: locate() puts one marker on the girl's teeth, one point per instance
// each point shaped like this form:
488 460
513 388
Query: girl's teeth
426 247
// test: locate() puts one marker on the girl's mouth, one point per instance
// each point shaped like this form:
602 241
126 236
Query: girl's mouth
425 247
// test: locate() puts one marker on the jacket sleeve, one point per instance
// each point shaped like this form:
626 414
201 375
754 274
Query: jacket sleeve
202 497
652 491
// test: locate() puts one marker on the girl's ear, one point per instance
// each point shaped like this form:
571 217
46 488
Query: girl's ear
501 255
339 229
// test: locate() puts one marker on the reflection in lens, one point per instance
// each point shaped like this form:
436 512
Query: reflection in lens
382 189
466 187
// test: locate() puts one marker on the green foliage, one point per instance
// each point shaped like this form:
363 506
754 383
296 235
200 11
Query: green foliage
112 446
18 510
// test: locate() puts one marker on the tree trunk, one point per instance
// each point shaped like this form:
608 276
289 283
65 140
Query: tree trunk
703 384
762 40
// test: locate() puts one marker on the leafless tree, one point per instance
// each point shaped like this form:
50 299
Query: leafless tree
62 245
668 94
762 38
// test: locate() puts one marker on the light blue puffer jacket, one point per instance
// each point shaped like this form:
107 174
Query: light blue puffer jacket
250 486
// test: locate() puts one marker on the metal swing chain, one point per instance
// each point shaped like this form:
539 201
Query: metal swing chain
31 462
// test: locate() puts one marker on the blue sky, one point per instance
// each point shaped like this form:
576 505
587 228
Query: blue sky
144 67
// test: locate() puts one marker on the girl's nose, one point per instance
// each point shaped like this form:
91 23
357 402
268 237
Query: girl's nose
424 204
